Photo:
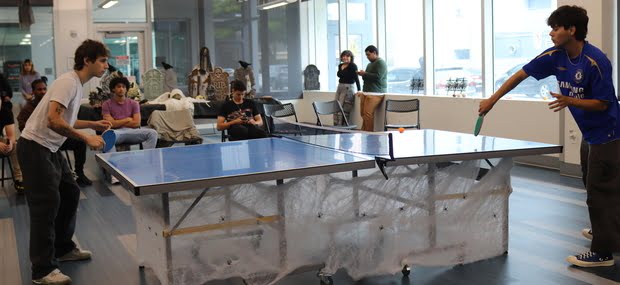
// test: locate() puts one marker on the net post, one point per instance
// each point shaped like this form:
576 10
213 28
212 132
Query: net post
391 146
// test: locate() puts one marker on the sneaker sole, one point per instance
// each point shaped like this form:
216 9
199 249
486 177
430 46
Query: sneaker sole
73 259
573 260
54 283
586 235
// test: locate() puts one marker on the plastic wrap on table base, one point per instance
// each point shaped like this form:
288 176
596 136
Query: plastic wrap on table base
366 225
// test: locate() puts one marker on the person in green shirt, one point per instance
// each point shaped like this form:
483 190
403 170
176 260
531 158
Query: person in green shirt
375 81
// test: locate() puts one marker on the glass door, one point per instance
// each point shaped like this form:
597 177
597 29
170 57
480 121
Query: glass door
126 53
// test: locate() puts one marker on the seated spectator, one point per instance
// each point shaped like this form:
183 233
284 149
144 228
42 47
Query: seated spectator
240 117
124 114
7 143
39 88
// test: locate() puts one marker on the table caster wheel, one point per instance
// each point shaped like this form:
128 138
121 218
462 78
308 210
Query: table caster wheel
327 280
406 271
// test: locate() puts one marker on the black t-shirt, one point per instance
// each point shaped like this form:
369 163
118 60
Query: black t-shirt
349 75
6 116
231 111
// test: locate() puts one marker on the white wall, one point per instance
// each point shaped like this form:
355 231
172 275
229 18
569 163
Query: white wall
72 25
527 120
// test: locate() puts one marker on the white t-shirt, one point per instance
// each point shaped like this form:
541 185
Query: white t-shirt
66 90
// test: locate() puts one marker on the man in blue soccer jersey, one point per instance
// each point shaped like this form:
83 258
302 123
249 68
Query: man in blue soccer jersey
585 78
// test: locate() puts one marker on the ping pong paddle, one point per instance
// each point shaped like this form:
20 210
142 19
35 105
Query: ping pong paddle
478 127
109 140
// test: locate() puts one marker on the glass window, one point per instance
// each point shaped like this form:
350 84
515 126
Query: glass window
361 29
231 39
233 31
405 50
119 11
124 55
516 45
172 45
326 52
279 52
458 54
35 43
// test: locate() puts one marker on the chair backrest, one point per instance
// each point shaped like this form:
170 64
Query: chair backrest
402 106
224 135
278 111
260 102
328 108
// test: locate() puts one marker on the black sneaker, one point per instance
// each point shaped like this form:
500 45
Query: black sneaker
591 259
82 180
19 186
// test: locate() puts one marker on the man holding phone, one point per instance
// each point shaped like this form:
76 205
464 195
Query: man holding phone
240 117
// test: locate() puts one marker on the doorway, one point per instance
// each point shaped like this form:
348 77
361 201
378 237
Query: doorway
127 52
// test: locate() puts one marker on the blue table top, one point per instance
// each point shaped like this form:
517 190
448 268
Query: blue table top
419 146
207 165
423 146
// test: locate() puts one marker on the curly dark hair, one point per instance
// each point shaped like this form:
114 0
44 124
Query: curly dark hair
119 80
36 82
89 50
237 85
570 16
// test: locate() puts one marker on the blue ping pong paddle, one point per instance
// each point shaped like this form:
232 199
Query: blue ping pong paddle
109 140
478 125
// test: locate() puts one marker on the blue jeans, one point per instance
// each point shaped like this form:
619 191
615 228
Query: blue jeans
147 137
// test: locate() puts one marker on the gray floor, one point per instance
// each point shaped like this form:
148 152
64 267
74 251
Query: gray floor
547 212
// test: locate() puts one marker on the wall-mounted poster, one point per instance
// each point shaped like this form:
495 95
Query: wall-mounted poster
11 70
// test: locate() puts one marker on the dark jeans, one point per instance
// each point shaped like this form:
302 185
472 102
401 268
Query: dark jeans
245 132
53 197
603 187
79 152
583 153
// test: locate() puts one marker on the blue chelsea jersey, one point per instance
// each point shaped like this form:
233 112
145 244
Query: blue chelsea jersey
588 76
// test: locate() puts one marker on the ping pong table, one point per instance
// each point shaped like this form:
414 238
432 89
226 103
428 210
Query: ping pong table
264 208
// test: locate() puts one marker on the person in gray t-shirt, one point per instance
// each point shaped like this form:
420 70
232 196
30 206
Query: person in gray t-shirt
51 190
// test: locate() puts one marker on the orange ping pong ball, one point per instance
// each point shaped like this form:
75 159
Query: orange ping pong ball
401 130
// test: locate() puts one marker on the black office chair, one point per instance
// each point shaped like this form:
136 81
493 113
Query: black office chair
6 157
224 135
68 158
330 108
280 111
402 106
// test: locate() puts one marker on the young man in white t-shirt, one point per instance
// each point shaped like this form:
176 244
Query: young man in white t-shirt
51 190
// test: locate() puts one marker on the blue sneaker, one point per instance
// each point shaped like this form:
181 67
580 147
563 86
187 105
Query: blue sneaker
591 259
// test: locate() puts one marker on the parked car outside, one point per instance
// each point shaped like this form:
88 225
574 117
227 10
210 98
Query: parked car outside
530 86
399 79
